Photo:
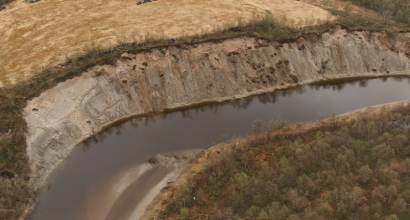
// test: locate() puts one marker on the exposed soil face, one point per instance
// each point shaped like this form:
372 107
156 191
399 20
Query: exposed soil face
152 82
57 28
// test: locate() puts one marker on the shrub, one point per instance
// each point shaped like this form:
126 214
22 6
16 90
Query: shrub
31 1
184 213
348 7
233 53
4 2
258 127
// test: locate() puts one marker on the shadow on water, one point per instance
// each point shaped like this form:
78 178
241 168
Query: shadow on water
78 186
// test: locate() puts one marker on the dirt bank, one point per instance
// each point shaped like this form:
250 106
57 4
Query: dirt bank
159 80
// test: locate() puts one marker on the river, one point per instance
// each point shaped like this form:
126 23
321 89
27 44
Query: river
81 188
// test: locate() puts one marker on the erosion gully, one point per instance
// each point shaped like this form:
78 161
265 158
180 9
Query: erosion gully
82 186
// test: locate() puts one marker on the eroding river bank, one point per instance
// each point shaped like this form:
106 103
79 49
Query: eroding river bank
80 185
151 82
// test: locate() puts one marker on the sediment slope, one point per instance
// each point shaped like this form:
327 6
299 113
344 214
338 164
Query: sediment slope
151 82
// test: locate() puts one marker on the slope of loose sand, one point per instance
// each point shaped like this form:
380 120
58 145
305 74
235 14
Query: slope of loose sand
36 35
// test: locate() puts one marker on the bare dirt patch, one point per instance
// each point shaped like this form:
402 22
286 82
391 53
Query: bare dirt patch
37 35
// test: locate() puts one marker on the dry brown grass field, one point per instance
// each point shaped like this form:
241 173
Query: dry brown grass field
33 36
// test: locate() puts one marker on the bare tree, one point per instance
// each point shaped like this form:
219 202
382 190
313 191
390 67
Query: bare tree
387 9
258 127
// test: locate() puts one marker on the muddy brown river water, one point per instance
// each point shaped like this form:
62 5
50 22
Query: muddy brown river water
86 185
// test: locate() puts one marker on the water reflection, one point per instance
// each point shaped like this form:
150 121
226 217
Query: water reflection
240 104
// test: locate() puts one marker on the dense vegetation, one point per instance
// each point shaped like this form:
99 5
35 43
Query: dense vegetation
339 169
3 2
372 15
15 191
399 10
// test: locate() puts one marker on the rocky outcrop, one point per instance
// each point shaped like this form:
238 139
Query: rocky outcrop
74 110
